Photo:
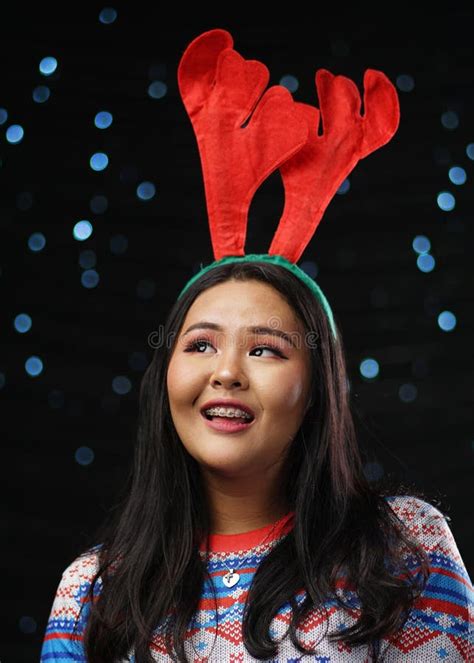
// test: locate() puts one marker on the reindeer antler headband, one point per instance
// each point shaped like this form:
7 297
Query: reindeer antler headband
221 91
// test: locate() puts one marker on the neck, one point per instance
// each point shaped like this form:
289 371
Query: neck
241 506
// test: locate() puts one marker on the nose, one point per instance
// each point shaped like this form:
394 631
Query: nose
228 371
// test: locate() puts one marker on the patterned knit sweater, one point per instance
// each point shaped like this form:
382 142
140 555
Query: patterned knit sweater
439 627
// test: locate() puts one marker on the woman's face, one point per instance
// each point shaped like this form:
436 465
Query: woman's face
230 363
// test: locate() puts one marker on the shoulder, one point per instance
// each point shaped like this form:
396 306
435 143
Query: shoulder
445 608
428 524
70 609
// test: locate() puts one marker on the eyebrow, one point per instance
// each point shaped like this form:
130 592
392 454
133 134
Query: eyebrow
256 329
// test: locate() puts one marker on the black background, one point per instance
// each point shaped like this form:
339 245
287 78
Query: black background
386 307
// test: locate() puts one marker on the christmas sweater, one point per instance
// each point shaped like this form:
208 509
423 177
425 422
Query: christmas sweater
439 626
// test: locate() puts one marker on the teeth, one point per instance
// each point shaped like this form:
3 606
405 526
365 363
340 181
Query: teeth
227 412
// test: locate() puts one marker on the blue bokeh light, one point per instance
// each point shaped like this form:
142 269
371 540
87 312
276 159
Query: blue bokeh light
90 278
425 262
27 624
121 385
407 393
84 456
41 93
36 242
107 15
450 120
344 186
290 82
87 259
457 175
48 65
310 268
146 190
469 149
3 115
34 366
99 204
118 245
446 201
447 321
82 230
99 161
373 471
22 323
157 89
369 368
405 83
421 244
14 134
103 120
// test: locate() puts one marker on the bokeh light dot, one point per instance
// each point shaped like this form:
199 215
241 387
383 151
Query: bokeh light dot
447 321
22 323
469 149
90 278
157 89
425 263
118 245
405 83
146 190
34 366
457 175
27 624
36 242
138 361
82 230
421 244
3 115
290 82
450 120
56 399
41 93
369 368
14 134
407 393
99 204
84 456
99 161
108 15
24 201
121 385
103 120
310 268
373 471
87 259
48 65
344 187
446 201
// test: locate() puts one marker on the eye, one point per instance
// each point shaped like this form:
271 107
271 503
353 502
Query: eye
194 345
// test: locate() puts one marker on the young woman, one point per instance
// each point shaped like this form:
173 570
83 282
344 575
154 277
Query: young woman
247 529
278 505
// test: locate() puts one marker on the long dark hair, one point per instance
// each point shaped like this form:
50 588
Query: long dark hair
147 548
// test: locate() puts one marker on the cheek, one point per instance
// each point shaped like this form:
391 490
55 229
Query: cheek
181 382
288 392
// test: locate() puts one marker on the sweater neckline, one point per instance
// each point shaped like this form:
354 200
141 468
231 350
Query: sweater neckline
250 539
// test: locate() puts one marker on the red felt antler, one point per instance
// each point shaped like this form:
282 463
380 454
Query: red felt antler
220 91
244 135
312 177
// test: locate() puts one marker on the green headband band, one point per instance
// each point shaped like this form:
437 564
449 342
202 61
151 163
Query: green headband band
275 260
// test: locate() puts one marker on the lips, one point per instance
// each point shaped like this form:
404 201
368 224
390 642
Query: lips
227 425
227 403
